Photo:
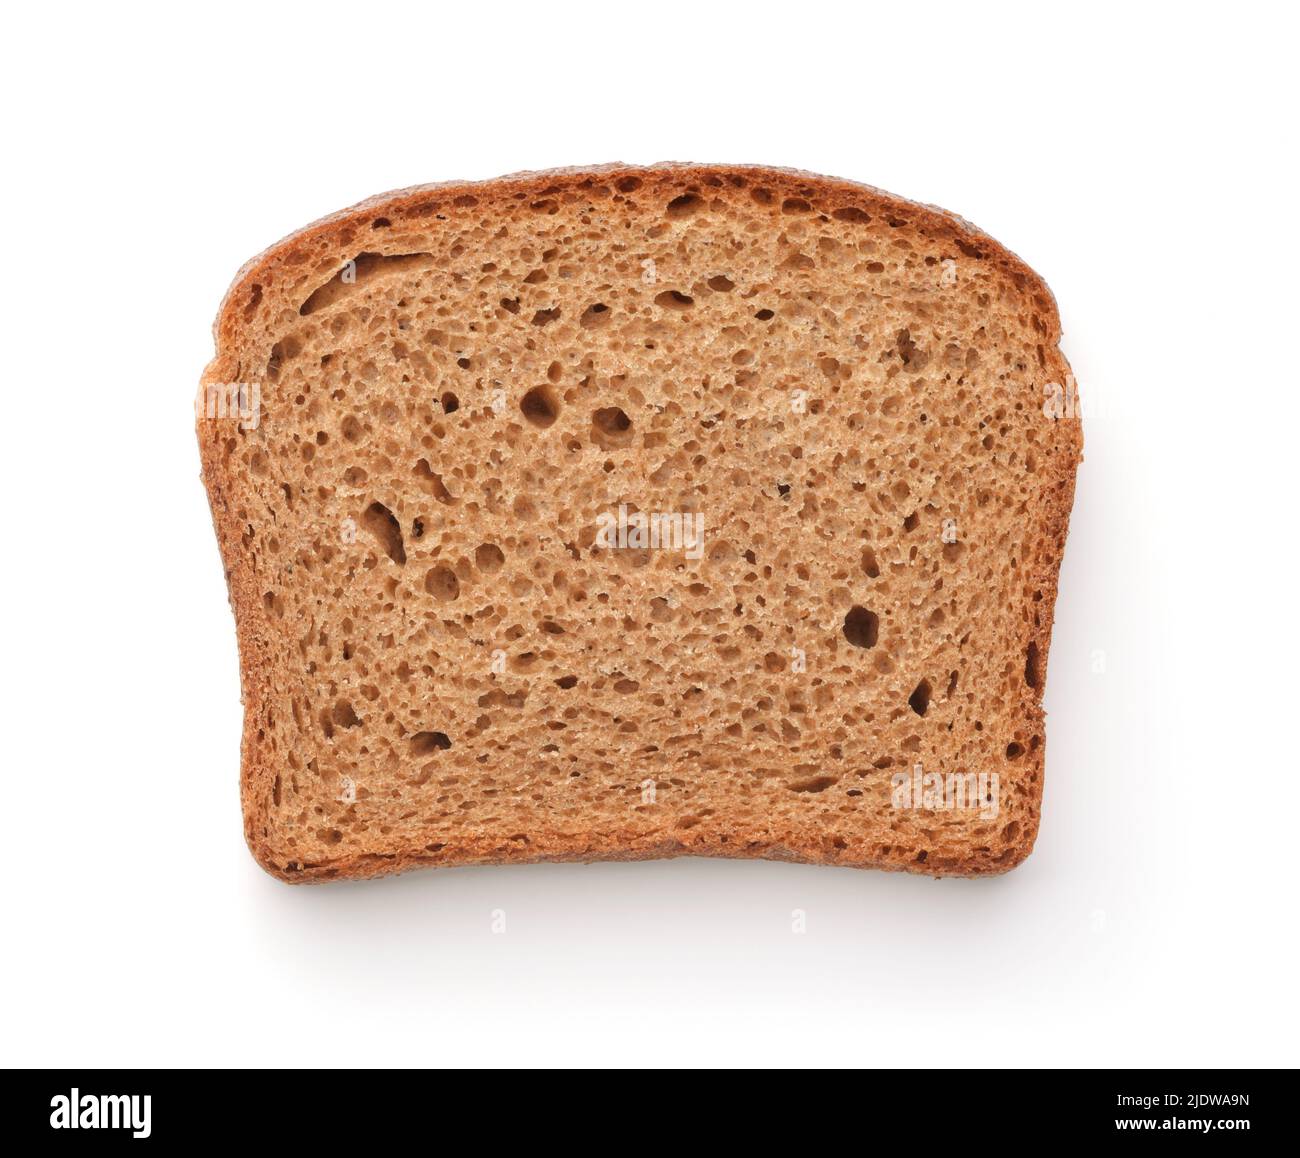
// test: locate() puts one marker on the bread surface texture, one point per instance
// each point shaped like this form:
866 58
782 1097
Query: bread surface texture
627 512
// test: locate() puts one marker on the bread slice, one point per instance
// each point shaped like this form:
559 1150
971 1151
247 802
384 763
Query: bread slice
637 512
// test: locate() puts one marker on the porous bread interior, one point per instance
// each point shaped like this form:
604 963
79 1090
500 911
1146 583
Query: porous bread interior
826 374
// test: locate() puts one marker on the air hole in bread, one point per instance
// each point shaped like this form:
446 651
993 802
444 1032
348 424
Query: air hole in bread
674 300
1015 750
919 700
489 558
685 205
441 582
426 743
722 285
344 716
611 427
594 315
1031 665
361 269
814 784
432 482
862 627
274 361
382 524
541 406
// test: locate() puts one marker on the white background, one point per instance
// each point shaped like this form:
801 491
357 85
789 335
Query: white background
1142 158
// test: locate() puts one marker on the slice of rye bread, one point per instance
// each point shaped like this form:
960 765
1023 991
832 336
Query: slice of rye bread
448 653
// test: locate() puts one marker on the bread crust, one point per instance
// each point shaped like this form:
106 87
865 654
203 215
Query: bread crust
283 263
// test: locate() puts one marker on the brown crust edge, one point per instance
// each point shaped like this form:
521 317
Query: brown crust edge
255 668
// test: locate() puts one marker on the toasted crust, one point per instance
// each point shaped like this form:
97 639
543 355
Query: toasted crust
284 269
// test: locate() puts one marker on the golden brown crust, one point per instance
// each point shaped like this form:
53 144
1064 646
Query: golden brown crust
285 265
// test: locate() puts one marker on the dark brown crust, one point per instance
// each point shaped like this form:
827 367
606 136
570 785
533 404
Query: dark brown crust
256 670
